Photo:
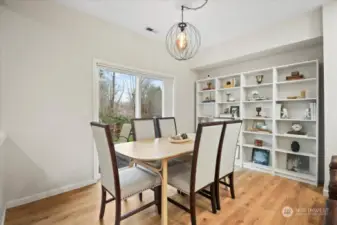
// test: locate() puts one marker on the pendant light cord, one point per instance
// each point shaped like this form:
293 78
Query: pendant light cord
196 8
189 8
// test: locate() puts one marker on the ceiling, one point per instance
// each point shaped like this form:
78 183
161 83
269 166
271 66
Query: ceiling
218 21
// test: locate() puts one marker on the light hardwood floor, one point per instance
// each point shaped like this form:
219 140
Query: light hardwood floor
260 199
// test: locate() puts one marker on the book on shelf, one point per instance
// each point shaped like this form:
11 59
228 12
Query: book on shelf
312 107
278 110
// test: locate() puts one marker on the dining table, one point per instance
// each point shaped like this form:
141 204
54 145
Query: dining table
159 149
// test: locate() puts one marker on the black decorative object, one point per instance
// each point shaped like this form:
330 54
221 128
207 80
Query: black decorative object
295 146
183 39
258 110
260 156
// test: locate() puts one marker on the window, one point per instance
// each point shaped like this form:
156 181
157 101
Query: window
151 97
117 98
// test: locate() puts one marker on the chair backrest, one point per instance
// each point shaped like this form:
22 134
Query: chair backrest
205 156
143 129
229 145
107 158
167 126
126 130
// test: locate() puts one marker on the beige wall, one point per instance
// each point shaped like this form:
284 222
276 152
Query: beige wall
47 91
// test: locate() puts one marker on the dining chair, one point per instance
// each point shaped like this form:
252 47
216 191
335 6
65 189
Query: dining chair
227 157
190 178
124 183
125 133
166 126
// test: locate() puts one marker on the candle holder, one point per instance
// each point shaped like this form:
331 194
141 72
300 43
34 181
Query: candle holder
259 79
258 110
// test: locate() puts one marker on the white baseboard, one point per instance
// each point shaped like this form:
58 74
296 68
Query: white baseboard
39 196
3 217
325 192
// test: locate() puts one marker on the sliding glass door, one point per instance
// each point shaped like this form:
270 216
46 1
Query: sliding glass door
151 97
117 98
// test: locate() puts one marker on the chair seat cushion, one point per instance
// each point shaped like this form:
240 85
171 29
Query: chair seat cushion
179 176
135 180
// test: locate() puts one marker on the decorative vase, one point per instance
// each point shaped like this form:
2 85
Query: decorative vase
295 146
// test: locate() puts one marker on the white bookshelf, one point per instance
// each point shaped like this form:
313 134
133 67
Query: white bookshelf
276 90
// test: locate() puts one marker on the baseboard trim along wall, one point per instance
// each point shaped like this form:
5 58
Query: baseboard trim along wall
50 193
3 216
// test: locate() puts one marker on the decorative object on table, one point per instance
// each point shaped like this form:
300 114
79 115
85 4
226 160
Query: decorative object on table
307 114
284 114
258 110
258 142
259 126
296 129
298 163
183 39
235 111
260 156
295 146
180 138
259 79
295 76
303 94
278 110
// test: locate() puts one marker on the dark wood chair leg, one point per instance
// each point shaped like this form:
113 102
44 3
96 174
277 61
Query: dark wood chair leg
157 197
118 212
231 183
192 209
217 195
103 203
140 197
213 198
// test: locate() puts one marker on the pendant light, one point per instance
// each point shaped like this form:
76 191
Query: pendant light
183 39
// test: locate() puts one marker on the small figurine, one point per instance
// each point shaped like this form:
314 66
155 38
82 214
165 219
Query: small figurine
284 113
307 114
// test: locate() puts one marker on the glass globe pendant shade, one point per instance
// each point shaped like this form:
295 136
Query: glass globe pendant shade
183 41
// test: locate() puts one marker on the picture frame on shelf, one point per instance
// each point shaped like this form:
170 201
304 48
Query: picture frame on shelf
260 156
235 110
298 163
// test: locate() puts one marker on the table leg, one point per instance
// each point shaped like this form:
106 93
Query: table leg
164 217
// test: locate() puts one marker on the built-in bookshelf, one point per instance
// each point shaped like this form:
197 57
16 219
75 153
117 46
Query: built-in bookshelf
290 90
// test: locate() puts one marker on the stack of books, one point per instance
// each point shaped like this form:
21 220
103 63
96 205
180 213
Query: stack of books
313 112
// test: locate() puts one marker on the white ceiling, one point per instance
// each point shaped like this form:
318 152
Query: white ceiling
218 21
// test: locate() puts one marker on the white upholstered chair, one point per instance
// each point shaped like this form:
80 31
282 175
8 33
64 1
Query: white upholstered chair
227 157
121 184
167 126
191 178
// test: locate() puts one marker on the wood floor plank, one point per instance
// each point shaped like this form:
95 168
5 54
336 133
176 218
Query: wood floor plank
260 199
